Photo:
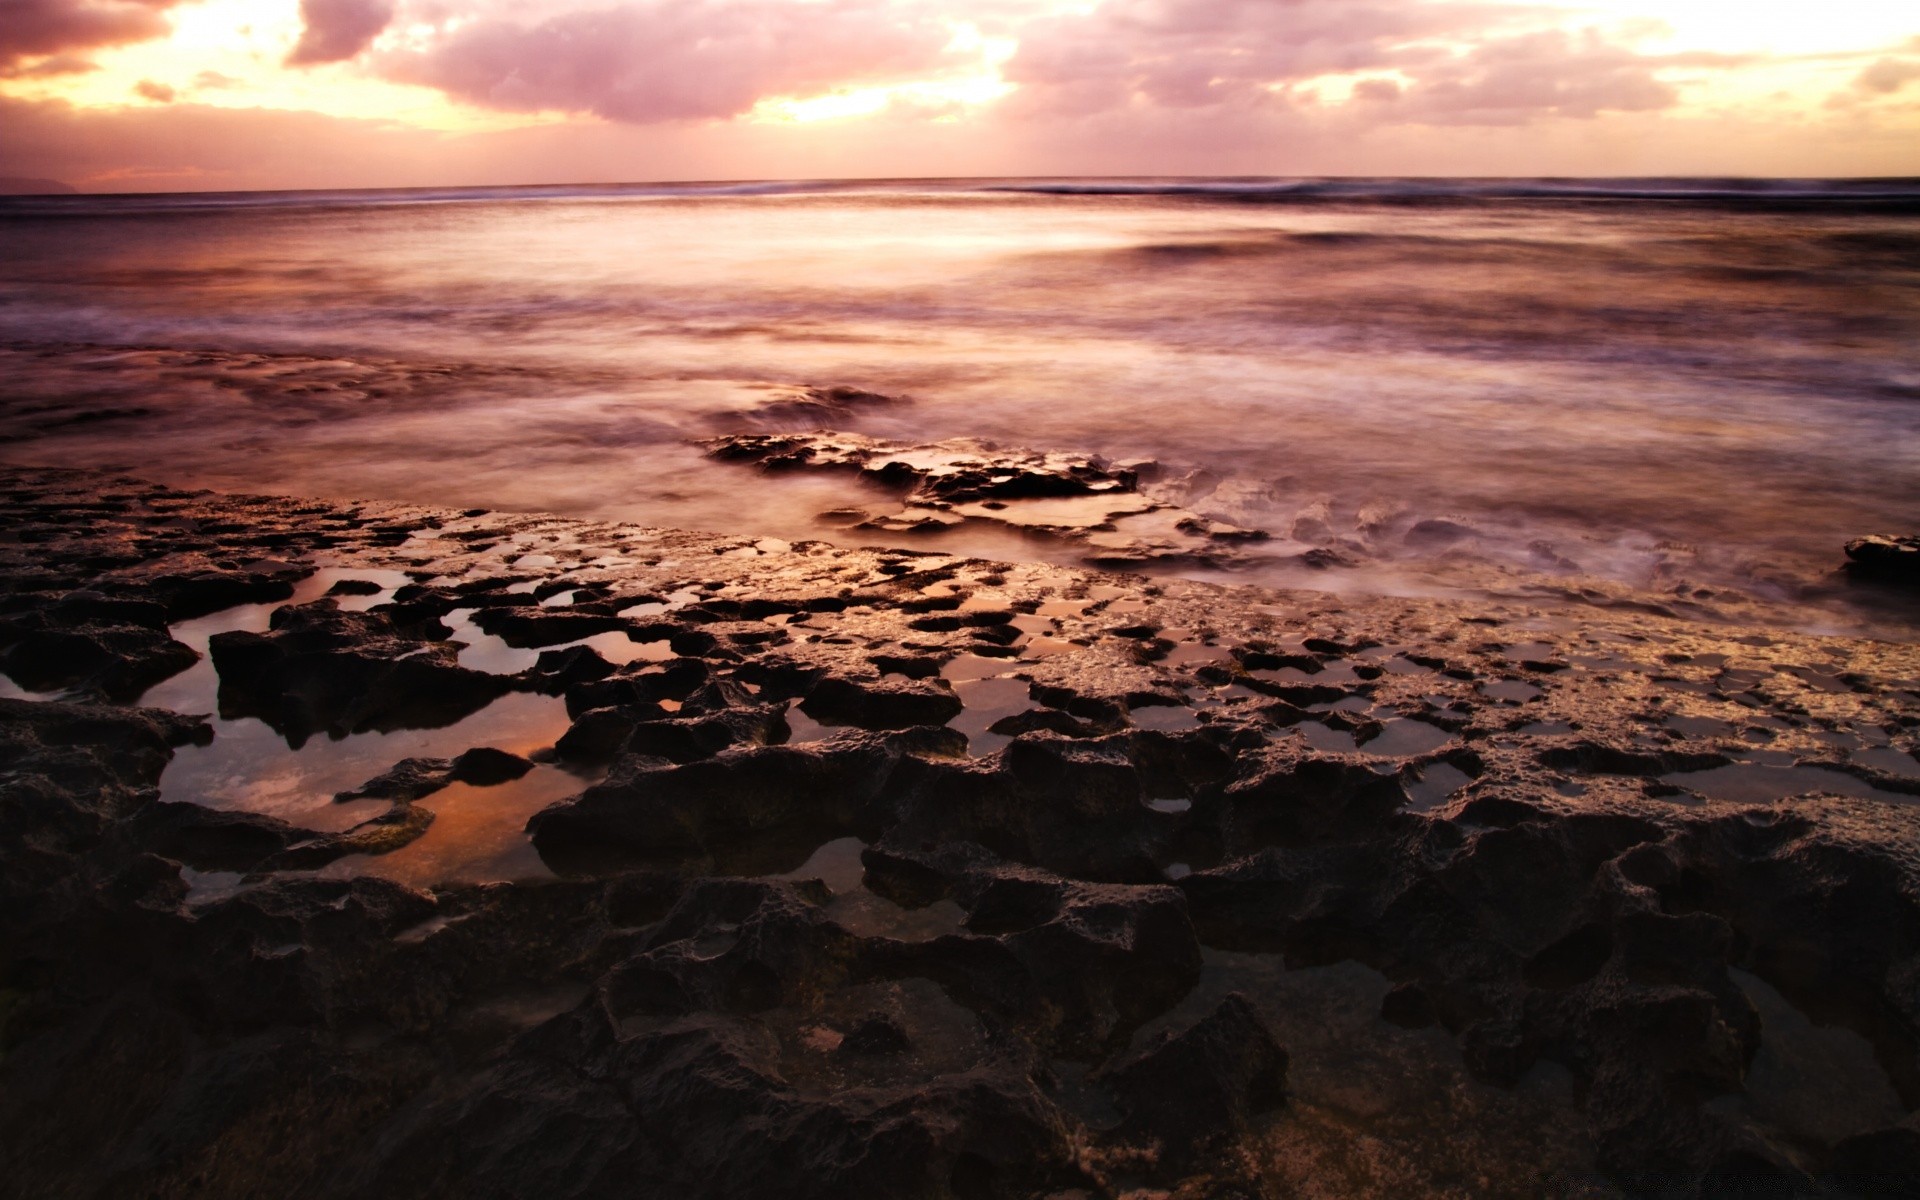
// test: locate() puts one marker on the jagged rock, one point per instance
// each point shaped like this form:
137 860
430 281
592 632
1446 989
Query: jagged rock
652 808
1885 557
485 766
1196 1090
882 703
320 669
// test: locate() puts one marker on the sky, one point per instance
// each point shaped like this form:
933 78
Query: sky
173 95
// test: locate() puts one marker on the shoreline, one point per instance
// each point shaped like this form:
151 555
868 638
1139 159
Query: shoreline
899 866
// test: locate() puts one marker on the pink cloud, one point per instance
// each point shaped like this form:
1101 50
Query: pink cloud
337 30
1889 75
668 60
1247 53
35 27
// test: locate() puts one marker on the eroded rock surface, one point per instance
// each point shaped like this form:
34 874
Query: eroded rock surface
893 873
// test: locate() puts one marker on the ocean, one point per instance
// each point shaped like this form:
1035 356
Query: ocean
1685 394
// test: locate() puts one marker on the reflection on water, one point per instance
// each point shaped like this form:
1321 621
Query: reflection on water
478 834
869 914
1679 396
249 766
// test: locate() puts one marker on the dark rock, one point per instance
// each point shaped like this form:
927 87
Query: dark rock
649 808
485 766
882 703
1197 1089
1885 557
320 669
878 1035
407 780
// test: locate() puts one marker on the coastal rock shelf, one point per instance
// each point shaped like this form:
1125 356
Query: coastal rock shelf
372 849
1080 498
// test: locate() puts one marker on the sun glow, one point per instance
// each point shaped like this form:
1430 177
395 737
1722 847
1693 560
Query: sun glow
1745 27
943 99
231 54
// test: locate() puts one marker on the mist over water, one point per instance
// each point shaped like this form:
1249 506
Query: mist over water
1696 389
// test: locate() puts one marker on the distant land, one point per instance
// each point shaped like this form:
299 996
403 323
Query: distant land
15 186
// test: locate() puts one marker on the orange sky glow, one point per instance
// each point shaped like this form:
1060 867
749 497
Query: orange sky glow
163 95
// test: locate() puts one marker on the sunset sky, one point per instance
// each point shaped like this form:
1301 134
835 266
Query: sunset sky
161 95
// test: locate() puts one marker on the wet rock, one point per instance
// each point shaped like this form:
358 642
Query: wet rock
1197 1090
1071 806
702 735
698 1106
639 686
68 774
486 766
815 407
959 470
112 662
559 670
1435 533
212 839
319 669
876 1036
199 593
597 734
919 1023
407 780
1885 557
1079 497
528 628
882 703
1288 798
1080 965
650 808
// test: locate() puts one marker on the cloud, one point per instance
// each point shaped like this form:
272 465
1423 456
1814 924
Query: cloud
30 28
1454 63
159 93
336 30
669 60
1552 73
1888 75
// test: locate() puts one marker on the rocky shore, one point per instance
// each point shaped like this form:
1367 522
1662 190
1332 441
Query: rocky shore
626 861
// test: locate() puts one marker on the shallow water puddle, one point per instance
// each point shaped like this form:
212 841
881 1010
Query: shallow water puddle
1513 691
1164 718
1760 783
195 690
248 766
1434 785
1405 737
9 690
1889 761
973 666
988 700
484 651
868 914
478 834
803 728
653 608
